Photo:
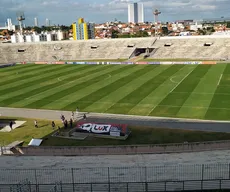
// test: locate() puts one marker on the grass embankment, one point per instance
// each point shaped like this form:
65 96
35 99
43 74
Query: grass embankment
139 135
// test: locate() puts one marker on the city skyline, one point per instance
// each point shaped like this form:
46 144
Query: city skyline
66 12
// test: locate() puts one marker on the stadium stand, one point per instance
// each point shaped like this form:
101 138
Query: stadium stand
189 47
72 50
194 47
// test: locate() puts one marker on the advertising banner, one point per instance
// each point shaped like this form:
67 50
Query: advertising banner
91 63
114 63
68 62
40 62
59 62
81 63
192 62
208 62
141 63
166 63
101 128
154 63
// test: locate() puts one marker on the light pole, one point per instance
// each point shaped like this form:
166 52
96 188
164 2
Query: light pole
156 12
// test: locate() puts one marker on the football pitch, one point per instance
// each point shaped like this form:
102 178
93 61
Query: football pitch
189 91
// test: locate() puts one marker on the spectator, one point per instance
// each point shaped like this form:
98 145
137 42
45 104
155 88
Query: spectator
11 125
71 123
84 116
72 116
66 124
35 124
53 125
77 111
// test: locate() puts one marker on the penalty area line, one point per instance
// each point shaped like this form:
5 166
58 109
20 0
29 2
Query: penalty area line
220 79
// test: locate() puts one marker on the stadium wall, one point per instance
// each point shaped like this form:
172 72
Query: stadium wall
125 150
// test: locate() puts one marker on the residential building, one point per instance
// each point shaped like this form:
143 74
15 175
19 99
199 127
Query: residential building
83 30
136 13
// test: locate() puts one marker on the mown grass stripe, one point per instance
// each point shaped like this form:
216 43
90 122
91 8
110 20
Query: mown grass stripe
24 76
48 74
34 90
208 84
102 92
147 105
128 102
220 101
174 98
53 86
64 92
106 102
76 95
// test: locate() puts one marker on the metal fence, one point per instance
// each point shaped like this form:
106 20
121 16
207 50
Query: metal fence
216 176
195 185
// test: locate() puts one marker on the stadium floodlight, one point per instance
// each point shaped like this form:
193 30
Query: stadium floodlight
156 12
20 18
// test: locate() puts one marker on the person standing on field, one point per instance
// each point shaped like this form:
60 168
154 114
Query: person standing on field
35 124
71 122
53 125
11 125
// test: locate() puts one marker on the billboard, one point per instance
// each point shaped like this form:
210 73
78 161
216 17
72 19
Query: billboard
101 128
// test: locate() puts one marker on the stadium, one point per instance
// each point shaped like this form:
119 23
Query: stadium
173 82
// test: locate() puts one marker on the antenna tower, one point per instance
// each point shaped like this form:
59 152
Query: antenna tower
156 12
20 18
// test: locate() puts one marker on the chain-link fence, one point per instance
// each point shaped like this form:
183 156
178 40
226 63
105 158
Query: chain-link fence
112 178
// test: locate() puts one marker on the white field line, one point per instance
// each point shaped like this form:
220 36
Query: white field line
181 81
171 79
220 79
169 92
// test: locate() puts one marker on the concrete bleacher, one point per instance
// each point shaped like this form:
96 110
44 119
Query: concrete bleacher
72 50
192 47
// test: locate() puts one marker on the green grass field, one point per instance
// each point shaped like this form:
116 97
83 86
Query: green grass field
191 91
148 135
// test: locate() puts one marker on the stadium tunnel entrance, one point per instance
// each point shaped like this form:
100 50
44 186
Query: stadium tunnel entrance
142 51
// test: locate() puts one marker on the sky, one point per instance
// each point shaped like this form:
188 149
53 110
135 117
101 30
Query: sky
68 11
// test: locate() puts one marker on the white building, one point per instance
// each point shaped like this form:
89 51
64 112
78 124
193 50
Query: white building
136 13
29 38
47 22
60 35
33 37
36 22
8 25
196 26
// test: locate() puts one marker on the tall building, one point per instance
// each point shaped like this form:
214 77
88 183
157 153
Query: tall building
47 22
135 13
83 30
36 22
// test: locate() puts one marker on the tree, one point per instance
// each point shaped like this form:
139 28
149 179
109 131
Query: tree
228 24
37 29
165 30
114 34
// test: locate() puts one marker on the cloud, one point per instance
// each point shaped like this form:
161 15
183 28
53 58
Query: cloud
67 11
